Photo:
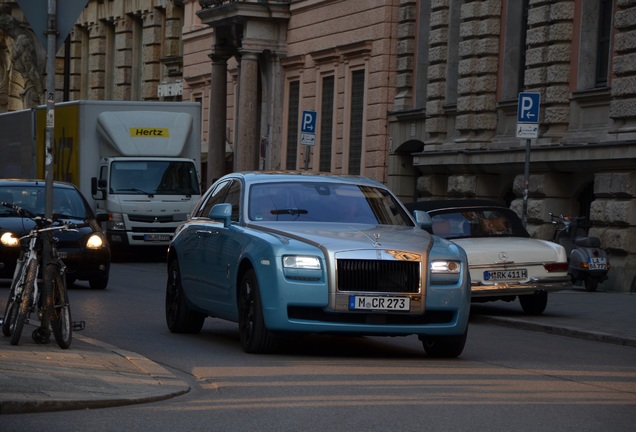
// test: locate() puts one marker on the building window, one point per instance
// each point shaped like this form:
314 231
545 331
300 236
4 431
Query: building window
603 43
421 72
594 44
452 66
136 72
326 123
292 124
355 123
84 89
513 60
109 75
521 84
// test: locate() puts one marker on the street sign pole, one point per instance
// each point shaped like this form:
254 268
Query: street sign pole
527 127
526 179
51 33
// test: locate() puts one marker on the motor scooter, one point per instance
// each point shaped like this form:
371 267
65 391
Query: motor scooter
587 261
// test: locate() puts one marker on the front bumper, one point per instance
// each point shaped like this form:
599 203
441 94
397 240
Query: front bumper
517 288
86 264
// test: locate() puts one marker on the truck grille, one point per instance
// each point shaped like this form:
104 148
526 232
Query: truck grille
378 276
150 219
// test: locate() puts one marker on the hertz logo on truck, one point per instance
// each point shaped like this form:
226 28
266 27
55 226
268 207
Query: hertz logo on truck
150 132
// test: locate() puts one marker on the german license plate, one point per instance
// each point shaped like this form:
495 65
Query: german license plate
157 237
379 303
597 264
503 275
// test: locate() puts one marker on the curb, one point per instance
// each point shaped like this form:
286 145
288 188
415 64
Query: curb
165 386
557 330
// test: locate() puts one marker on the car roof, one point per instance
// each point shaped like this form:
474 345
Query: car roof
447 204
34 182
267 176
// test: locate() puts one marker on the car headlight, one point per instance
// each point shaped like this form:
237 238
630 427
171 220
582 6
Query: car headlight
301 262
95 242
446 267
9 239
116 222
445 272
302 268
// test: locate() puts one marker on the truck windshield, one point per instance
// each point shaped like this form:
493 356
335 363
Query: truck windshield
154 178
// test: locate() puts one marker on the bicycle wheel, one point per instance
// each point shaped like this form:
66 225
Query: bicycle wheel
61 323
13 302
25 303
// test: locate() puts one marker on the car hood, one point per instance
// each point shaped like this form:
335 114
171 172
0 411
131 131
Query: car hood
345 236
21 226
510 249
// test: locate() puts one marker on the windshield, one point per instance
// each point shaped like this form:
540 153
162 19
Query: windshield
66 202
154 178
324 202
477 222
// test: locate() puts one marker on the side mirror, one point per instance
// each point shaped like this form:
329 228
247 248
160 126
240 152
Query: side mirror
223 213
423 220
101 217
97 190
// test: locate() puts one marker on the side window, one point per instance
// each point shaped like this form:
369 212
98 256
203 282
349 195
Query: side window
216 196
234 197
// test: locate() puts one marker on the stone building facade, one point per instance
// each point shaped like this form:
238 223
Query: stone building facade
459 137
421 95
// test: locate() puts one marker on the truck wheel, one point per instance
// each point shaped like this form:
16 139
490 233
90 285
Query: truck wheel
534 304
179 317
444 346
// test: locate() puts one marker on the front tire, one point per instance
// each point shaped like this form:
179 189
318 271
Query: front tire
24 306
61 322
179 318
255 337
534 304
10 316
98 283
444 346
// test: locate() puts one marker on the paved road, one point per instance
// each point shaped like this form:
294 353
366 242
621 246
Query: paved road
93 374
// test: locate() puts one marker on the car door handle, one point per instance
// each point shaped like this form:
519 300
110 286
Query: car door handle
204 232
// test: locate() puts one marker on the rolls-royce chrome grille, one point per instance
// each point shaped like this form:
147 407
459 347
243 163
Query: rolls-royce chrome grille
378 276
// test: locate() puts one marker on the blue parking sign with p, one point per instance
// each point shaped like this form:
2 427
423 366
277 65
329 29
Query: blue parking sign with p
528 107
308 123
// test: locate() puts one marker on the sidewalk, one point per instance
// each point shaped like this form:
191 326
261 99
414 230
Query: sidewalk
92 374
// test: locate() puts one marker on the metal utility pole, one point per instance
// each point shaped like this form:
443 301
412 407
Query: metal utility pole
51 33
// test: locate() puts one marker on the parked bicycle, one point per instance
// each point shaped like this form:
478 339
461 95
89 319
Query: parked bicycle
25 297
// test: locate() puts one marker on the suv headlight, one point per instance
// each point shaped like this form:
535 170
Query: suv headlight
95 241
9 239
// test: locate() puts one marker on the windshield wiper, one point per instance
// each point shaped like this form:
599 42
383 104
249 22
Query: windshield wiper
139 191
290 211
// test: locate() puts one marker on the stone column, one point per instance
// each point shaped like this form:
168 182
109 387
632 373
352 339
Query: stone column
217 118
246 148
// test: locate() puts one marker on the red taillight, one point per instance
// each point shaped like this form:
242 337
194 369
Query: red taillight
556 267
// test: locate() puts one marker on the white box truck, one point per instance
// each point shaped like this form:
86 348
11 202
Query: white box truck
137 161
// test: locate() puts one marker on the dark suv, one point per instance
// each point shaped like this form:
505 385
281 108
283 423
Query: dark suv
86 252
